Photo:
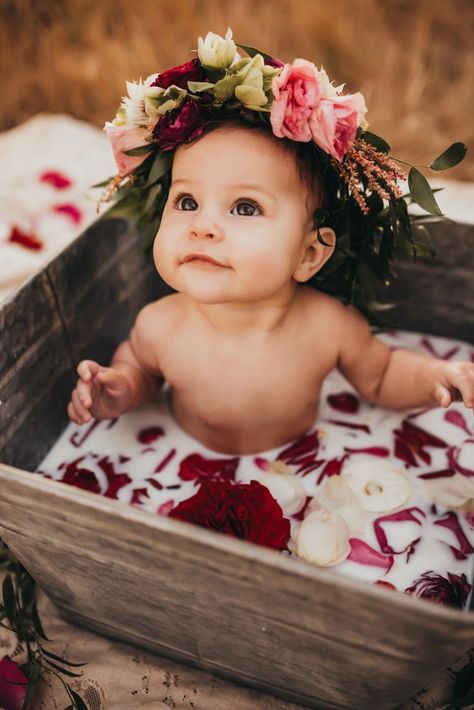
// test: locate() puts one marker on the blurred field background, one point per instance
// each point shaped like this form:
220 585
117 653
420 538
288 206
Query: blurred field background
412 59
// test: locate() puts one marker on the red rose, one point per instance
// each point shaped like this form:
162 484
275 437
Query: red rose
452 591
181 125
180 75
13 685
243 510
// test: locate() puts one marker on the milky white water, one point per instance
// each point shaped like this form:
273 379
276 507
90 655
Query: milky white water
144 458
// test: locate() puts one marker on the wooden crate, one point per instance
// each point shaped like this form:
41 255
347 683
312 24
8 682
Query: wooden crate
239 610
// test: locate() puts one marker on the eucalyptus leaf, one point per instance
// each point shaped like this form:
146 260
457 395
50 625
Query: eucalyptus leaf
140 150
79 704
422 193
9 599
37 623
30 692
251 51
451 157
161 165
62 660
376 141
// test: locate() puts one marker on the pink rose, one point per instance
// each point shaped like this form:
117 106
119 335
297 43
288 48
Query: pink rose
334 123
297 92
123 138
13 685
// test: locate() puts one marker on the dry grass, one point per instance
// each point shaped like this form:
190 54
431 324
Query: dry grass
413 59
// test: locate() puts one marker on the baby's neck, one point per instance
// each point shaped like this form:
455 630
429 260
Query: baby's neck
240 318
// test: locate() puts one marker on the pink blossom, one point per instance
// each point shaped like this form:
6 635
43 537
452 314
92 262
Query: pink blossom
334 123
123 138
70 211
297 91
13 685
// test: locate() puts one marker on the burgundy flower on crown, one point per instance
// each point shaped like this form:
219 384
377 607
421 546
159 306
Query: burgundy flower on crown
198 468
180 75
243 510
181 125
13 685
452 591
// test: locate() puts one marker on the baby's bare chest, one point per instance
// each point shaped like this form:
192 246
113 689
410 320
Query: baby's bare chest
277 379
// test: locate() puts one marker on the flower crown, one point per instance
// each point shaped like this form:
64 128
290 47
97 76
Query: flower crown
364 203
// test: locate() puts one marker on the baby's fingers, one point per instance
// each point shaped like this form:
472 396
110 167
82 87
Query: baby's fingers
443 395
87 369
81 412
112 380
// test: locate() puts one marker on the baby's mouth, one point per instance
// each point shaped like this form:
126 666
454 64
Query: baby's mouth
202 260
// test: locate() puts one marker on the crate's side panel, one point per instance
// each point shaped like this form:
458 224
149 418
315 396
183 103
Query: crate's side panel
35 374
233 608
101 282
436 296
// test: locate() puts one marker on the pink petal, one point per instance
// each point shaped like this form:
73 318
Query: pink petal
56 179
363 554
166 508
454 417
71 211
400 516
452 523
29 241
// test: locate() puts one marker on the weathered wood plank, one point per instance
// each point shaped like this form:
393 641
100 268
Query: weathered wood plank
286 625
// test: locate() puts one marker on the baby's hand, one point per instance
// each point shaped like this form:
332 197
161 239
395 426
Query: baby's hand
100 392
455 382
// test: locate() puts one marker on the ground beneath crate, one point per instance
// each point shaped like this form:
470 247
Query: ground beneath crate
420 545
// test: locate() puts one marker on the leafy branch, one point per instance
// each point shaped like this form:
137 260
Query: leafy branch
19 614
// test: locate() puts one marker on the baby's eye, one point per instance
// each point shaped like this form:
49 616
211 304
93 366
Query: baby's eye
245 209
185 203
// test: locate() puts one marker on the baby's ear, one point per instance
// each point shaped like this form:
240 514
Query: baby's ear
315 253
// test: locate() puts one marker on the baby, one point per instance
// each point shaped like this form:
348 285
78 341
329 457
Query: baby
245 344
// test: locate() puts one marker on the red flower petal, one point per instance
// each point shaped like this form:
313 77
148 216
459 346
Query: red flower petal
453 454
344 402
426 342
383 583
444 473
452 523
166 508
379 451
29 241
331 468
165 461
137 496
302 453
400 516
198 468
150 434
55 179
349 425
364 554
301 513
452 591
13 685
71 211
454 417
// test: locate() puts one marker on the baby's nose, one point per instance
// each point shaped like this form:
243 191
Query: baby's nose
204 225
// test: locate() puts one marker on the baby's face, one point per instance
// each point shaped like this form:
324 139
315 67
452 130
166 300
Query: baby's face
234 198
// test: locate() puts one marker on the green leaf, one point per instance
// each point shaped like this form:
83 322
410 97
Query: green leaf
140 150
197 86
451 157
161 165
251 51
9 599
27 593
376 141
62 660
103 183
422 193
30 692
37 623
78 701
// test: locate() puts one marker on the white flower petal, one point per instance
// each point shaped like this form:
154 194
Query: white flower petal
338 496
323 538
453 492
380 487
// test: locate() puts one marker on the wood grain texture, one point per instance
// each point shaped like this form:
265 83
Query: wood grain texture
229 606
219 603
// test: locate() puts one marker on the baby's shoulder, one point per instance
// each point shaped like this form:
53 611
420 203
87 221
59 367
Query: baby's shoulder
162 315
323 309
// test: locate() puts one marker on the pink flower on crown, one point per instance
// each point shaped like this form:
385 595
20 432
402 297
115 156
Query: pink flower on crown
122 138
297 92
334 123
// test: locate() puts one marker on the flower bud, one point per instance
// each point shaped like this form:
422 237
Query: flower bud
217 52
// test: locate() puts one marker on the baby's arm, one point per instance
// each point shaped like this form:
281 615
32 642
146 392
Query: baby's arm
132 378
399 379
